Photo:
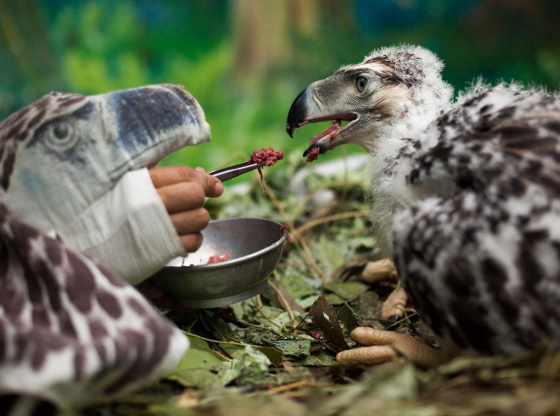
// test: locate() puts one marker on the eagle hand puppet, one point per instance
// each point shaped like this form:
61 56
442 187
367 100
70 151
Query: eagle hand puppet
74 186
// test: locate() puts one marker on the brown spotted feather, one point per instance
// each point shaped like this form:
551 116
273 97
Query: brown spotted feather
61 309
72 332
483 263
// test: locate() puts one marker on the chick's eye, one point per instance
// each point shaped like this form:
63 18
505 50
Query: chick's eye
361 83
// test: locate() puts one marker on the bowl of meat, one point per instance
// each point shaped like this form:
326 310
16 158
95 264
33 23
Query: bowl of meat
233 264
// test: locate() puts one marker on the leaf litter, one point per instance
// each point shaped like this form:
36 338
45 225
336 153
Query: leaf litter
274 354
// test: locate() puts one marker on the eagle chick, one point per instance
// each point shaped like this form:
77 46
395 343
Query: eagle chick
466 194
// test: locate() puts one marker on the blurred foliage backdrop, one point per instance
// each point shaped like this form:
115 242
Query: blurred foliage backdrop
246 60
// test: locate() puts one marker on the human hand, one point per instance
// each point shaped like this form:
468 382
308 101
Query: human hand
183 191
151 291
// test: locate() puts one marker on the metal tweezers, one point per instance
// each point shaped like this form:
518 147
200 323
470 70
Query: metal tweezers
234 171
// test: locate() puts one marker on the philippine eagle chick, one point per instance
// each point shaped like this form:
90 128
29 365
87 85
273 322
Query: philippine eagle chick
466 197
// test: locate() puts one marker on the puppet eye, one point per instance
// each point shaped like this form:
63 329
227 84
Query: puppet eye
361 83
60 136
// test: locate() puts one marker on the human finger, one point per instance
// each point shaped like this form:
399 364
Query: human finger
213 187
182 196
154 294
170 175
166 176
192 221
191 242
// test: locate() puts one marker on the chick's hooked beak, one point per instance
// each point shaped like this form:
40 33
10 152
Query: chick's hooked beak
297 113
307 108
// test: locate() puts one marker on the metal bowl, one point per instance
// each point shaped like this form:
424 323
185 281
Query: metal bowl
254 245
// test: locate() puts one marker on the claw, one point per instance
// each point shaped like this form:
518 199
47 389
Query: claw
394 307
384 346
377 271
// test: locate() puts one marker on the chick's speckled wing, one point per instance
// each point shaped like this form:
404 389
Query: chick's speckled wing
490 248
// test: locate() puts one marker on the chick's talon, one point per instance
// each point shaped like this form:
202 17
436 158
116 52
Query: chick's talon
394 307
384 346
377 271
367 356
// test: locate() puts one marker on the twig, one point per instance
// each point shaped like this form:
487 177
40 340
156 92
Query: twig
193 323
304 203
300 267
291 386
298 394
219 332
284 302
279 207
245 323
311 224
309 259
215 341
223 357
258 305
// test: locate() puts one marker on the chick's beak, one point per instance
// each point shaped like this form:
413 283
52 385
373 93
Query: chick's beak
298 114
308 108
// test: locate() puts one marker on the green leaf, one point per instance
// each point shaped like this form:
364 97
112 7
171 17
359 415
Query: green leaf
250 368
308 301
334 299
347 290
261 315
293 348
349 318
199 367
320 358
297 285
168 410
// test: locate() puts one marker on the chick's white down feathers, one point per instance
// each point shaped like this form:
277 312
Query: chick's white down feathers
465 194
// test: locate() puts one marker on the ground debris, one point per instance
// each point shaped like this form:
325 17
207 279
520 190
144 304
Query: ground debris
275 354
324 316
